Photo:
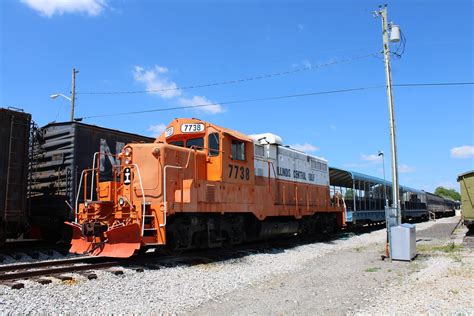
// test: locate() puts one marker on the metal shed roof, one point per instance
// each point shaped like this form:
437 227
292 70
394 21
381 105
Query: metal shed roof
345 178
467 174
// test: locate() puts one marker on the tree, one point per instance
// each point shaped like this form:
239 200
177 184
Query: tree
349 194
448 193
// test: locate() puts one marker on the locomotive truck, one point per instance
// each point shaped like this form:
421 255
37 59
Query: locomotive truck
202 186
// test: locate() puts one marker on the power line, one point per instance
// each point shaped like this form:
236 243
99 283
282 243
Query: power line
280 97
233 102
259 77
432 84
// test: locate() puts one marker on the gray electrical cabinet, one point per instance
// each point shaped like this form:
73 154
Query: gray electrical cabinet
403 239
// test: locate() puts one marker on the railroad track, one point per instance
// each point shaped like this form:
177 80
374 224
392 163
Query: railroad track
11 274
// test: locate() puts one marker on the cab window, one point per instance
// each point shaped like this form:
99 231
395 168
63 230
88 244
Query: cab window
179 143
238 150
213 141
198 143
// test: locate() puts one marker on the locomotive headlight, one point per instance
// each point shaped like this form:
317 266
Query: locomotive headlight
121 201
128 160
128 151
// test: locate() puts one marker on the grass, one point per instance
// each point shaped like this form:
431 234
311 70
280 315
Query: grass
359 248
373 269
449 248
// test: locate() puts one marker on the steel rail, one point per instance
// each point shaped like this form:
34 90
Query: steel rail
53 271
50 263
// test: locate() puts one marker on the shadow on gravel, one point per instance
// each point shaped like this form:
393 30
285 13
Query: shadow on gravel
157 260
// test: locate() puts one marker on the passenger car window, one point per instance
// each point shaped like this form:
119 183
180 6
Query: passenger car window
238 150
213 140
198 143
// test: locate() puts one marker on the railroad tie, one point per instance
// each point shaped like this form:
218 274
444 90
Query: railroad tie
43 281
14 285
115 271
89 275
63 277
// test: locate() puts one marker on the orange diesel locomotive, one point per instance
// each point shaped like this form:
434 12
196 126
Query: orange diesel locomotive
199 186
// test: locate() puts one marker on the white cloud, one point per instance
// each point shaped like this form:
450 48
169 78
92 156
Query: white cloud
462 152
306 63
371 158
157 83
157 129
49 8
304 147
197 101
154 80
406 169
302 64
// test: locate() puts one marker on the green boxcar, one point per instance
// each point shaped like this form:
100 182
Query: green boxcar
466 182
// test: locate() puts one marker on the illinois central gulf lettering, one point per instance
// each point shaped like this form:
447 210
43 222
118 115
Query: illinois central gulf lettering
285 172
299 174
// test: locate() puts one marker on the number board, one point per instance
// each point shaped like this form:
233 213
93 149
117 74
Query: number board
192 128
236 172
169 131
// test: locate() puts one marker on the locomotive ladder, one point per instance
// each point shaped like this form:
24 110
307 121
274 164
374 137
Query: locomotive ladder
149 228
13 171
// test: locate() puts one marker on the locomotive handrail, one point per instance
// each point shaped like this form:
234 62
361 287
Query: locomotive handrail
165 202
94 159
143 195
77 195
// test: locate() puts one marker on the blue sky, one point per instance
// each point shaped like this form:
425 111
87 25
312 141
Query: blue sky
120 45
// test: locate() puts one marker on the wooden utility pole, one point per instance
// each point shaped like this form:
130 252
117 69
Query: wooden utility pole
73 92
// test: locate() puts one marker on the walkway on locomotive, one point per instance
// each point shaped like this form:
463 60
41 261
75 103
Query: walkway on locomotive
366 196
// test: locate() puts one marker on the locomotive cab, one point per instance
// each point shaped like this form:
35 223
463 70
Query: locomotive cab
229 154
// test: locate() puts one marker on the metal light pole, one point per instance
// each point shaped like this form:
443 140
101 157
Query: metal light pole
71 99
395 37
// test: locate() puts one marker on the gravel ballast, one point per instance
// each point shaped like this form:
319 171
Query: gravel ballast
197 288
